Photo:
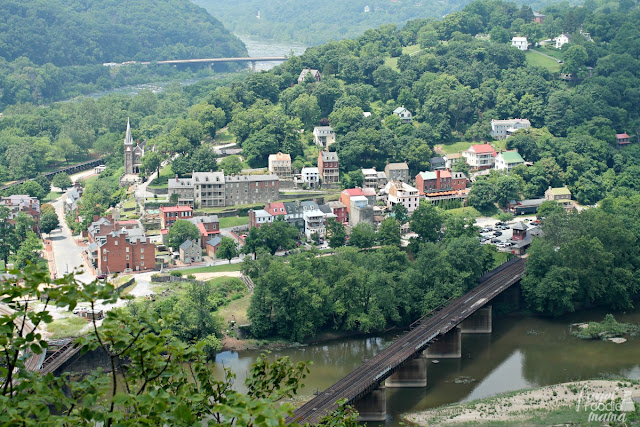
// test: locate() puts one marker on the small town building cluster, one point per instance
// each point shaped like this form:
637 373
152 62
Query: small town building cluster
208 225
119 246
21 203
502 129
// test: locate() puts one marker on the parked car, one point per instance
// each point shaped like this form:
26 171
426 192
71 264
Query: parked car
505 227
101 276
494 240
497 233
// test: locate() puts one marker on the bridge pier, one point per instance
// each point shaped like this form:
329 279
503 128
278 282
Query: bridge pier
479 322
448 346
253 66
413 373
372 406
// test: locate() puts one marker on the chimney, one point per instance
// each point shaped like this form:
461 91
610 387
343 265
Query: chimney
438 179
176 177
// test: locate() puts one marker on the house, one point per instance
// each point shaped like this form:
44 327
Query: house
459 180
208 226
370 178
306 72
259 217
502 129
507 160
347 194
315 223
522 238
183 189
209 189
339 210
120 249
360 211
433 181
397 172
520 42
382 179
401 192
280 165
26 204
403 114
212 245
561 40
311 177
276 209
70 202
623 139
480 156
538 18
190 252
250 189
324 136
562 195
328 167
170 214
437 163
452 159
371 194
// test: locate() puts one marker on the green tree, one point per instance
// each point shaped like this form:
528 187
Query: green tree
272 237
389 232
336 233
481 195
231 165
28 252
400 212
548 208
363 236
33 189
7 235
181 231
306 108
426 222
48 222
204 159
151 162
62 181
228 249
506 188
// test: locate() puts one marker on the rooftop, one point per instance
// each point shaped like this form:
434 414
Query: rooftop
176 209
512 156
215 241
398 166
351 192
482 149
280 157
329 156
560 191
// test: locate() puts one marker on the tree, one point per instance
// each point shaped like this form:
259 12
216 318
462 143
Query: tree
362 236
33 189
506 188
231 165
228 249
271 236
204 159
336 233
151 162
481 195
400 212
149 369
62 181
389 232
48 222
549 207
7 235
28 252
180 232
426 222
353 179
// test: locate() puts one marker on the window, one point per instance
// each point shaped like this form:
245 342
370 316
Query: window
127 249
115 243
141 256
104 258
141 250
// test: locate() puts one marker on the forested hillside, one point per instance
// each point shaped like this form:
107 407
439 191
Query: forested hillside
314 23
55 48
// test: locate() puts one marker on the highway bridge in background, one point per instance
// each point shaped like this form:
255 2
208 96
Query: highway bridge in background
251 60
371 374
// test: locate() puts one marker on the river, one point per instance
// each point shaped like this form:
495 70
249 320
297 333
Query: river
254 47
522 352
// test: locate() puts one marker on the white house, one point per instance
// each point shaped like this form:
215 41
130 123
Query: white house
520 42
404 114
401 192
280 164
507 160
315 222
310 176
561 40
324 136
502 129
480 156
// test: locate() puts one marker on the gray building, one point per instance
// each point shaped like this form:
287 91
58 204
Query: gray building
397 172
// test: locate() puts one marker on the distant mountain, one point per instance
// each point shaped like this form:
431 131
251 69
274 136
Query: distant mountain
314 22
79 32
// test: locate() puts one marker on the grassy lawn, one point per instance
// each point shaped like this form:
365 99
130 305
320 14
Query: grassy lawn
411 50
245 165
224 137
466 212
537 60
52 196
558 54
161 181
213 269
233 221
456 147
392 63
67 327
90 180
236 310
129 204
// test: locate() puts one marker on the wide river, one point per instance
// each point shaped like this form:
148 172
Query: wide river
522 352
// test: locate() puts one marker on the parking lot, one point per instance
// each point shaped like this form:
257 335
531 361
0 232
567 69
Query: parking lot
499 234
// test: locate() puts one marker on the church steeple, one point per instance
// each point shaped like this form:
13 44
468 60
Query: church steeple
128 140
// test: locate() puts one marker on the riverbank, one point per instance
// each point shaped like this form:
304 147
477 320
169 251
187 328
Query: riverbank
566 403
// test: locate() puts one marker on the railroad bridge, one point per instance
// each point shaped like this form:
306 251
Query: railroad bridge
404 362
67 169
211 61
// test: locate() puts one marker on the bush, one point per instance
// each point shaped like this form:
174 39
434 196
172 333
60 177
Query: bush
176 274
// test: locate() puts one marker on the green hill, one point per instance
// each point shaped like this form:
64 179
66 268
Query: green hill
78 32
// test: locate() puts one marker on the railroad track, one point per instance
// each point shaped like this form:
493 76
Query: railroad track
56 360
426 329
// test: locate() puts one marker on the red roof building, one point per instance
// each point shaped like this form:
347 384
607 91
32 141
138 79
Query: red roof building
623 139
275 209
347 194
170 214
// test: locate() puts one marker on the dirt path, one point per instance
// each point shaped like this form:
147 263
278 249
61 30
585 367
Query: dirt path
207 276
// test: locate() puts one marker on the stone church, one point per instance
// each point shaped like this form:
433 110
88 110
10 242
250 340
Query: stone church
132 154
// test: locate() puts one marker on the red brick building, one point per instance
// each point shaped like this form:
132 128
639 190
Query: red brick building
124 250
328 167
170 214
339 210
208 226
28 205
440 180
347 194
